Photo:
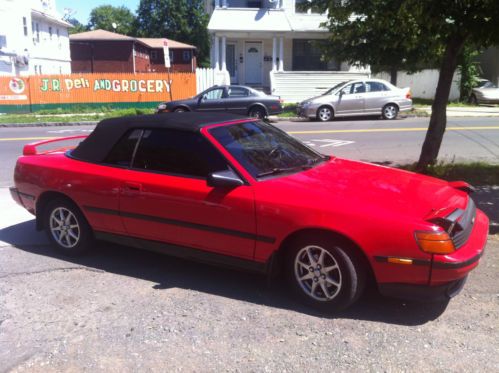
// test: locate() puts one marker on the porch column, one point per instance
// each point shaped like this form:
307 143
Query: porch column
224 48
281 54
274 53
217 54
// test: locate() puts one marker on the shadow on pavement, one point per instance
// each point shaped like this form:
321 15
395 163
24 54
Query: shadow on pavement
169 272
487 200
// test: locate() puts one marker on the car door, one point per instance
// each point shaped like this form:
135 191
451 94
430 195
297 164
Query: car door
212 100
237 101
165 196
376 96
351 99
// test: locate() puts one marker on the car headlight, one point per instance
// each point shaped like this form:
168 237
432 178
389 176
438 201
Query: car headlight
162 107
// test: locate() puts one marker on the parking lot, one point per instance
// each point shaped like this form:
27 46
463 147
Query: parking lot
123 309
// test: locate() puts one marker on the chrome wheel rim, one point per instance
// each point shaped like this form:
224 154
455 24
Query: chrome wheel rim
64 227
324 114
318 273
179 111
390 112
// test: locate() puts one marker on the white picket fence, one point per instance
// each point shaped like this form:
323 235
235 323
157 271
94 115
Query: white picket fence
208 77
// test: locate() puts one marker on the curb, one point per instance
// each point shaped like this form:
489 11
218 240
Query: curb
47 124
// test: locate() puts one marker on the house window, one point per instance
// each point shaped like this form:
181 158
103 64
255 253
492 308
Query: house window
3 41
186 56
171 56
254 4
58 33
25 26
307 56
37 27
50 32
301 7
154 55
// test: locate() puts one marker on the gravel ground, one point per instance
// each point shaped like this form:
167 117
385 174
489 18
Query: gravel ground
121 309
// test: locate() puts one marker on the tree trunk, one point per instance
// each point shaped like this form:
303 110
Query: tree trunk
438 120
393 76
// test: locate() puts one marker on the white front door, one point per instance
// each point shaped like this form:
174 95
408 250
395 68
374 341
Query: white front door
253 63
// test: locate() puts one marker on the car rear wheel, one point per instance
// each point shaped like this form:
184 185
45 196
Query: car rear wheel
257 112
179 110
67 228
324 275
324 114
390 111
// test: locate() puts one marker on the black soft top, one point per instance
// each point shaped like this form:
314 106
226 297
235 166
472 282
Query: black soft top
108 132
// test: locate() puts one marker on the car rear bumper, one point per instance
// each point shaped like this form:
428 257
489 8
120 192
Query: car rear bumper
423 293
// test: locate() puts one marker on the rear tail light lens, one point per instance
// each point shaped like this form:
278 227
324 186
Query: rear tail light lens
437 242
408 95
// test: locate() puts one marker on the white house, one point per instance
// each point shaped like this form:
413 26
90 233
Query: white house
34 39
272 44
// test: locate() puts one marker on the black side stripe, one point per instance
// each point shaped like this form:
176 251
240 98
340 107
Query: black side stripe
456 265
184 224
418 262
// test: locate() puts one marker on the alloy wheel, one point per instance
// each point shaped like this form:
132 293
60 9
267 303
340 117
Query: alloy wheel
390 112
324 114
318 273
64 227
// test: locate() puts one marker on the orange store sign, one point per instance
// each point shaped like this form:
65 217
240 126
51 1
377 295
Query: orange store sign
114 85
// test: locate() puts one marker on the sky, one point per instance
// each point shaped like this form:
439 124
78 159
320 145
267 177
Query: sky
82 8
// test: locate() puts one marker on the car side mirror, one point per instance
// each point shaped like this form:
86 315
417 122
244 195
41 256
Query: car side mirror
224 179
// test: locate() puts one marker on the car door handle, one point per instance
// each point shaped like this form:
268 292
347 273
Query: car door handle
131 186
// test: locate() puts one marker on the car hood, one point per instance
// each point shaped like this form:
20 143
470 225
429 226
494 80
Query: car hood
320 98
360 186
487 92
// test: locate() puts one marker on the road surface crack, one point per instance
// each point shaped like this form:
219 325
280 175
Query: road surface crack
64 269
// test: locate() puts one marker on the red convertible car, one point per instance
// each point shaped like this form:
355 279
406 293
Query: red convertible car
239 192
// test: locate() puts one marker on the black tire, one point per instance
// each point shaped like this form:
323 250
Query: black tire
324 114
67 244
473 100
257 112
390 111
179 110
350 275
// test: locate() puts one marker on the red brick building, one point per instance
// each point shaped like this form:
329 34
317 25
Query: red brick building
101 51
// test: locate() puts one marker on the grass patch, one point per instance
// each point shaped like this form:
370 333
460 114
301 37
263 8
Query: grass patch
288 111
475 173
425 102
64 116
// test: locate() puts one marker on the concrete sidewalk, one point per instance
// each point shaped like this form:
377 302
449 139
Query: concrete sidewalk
471 111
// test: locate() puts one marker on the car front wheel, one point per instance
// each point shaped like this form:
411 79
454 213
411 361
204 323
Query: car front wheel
324 275
179 110
67 228
390 111
324 114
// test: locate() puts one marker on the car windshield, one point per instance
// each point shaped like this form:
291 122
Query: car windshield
264 150
486 84
332 90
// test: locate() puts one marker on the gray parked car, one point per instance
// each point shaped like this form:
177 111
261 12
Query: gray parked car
485 92
235 99
358 97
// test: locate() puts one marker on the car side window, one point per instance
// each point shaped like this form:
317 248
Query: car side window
358 88
235 92
122 152
214 94
375 87
346 90
177 152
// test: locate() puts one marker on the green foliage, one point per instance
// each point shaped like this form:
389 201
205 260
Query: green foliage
475 173
384 34
77 26
103 17
470 71
181 20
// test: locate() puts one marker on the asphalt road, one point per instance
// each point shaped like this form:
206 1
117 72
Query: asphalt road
374 140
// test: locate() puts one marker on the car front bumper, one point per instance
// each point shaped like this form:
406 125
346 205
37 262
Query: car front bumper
309 111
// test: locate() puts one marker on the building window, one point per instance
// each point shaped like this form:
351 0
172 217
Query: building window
37 27
171 56
25 26
301 7
50 32
186 56
58 33
3 41
154 55
307 56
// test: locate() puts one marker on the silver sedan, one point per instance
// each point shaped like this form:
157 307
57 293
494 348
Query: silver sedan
485 92
358 97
